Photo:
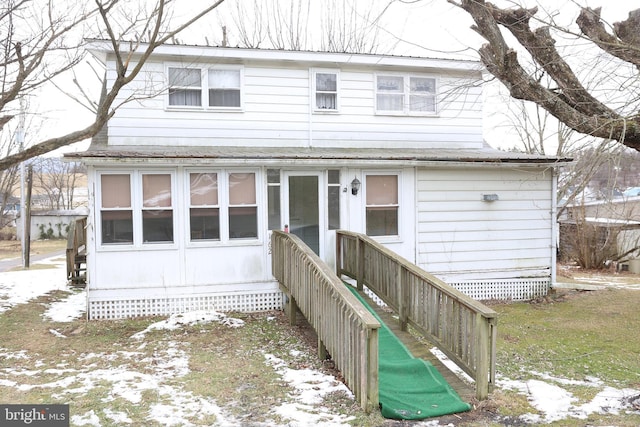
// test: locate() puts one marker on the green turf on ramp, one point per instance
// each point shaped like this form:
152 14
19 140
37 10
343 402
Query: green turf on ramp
410 388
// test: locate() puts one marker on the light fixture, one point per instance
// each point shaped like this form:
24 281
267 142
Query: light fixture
490 197
355 186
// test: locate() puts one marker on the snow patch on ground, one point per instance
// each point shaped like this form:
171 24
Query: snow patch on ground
69 309
191 318
310 388
554 403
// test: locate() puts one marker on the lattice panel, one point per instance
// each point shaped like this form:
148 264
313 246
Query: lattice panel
138 307
515 290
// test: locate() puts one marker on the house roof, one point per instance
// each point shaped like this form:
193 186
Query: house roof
101 48
100 153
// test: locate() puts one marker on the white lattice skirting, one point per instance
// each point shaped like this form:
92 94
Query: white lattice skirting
138 307
515 290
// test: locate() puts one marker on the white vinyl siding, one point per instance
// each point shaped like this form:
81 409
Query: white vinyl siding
462 237
276 102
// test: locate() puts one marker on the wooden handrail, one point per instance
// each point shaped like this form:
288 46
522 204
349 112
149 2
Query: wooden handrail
345 328
76 243
464 329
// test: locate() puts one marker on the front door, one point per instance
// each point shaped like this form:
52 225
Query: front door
303 209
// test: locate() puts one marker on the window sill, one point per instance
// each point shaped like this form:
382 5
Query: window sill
325 111
174 108
124 247
405 114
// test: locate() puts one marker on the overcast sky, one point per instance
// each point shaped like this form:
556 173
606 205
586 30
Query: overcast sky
430 28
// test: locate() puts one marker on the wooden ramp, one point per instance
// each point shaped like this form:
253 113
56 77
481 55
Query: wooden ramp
421 349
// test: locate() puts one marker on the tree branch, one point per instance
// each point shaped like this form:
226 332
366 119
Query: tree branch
572 104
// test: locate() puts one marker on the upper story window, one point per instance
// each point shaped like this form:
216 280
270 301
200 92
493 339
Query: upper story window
185 87
215 88
224 88
326 90
405 94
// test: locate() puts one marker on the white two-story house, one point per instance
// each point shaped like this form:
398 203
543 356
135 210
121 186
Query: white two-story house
222 145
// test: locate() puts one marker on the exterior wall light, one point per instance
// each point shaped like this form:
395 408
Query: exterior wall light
355 186
490 197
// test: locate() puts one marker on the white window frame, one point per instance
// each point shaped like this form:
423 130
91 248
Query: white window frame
223 206
315 91
189 206
204 87
100 209
240 88
169 87
406 95
137 208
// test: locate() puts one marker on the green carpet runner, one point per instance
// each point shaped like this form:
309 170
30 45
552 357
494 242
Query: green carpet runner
410 388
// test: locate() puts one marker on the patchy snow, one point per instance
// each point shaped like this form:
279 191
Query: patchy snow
19 287
134 373
554 403
310 387
69 309
200 317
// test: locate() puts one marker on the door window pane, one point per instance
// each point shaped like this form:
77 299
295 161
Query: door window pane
382 205
273 199
333 199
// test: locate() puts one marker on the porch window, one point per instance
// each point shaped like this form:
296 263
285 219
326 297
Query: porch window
116 213
333 199
273 199
185 87
204 209
224 88
405 94
326 91
157 211
382 205
243 209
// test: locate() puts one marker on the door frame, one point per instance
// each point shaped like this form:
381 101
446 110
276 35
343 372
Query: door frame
322 226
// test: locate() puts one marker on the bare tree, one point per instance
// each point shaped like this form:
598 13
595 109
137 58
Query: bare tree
56 181
332 26
567 98
42 39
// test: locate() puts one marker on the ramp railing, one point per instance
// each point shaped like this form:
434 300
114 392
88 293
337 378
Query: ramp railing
464 329
76 250
345 328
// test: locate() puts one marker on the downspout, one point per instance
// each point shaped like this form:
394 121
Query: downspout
554 223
